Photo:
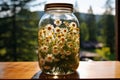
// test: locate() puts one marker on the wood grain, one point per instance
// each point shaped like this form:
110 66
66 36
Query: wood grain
86 70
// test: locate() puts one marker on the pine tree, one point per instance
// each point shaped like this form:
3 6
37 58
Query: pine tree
18 32
84 32
91 23
107 21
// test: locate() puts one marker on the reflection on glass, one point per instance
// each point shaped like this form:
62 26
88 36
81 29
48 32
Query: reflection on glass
41 75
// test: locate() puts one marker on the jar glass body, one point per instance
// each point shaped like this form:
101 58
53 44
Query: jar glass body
58 42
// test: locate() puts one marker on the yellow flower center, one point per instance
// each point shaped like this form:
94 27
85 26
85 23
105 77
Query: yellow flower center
45 48
49 28
59 36
62 39
73 25
65 30
47 40
55 47
71 45
49 58
57 22
58 30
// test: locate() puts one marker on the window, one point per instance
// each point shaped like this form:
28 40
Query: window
19 24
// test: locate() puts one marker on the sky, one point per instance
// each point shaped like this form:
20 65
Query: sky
83 5
97 5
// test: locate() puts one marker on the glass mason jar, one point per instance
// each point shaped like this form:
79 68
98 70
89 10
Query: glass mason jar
58 40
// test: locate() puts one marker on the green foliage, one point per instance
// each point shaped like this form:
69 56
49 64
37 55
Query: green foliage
102 31
91 23
109 31
105 54
26 37
108 26
84 32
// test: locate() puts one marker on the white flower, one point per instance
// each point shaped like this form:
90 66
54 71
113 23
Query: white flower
49 27
73 25
68 52
44 48
59 36
49 58
69 35
55 47
64 30
55 50
62 39
77 40
42 33
50 35
57 22
75 30
57 30
47 40
76 49
42 61
61 44
69 44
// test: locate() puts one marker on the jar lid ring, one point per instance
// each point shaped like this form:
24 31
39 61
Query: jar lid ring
58 5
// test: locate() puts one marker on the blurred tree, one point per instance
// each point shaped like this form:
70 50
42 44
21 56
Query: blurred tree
108 31
84 32
108 7
27 24
16 32
107 21
100 31
91 23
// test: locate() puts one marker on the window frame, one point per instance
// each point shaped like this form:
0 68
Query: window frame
116 32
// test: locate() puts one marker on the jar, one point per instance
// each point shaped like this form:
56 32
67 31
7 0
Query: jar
58 40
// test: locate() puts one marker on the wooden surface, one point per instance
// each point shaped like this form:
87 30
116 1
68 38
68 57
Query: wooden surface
86 70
